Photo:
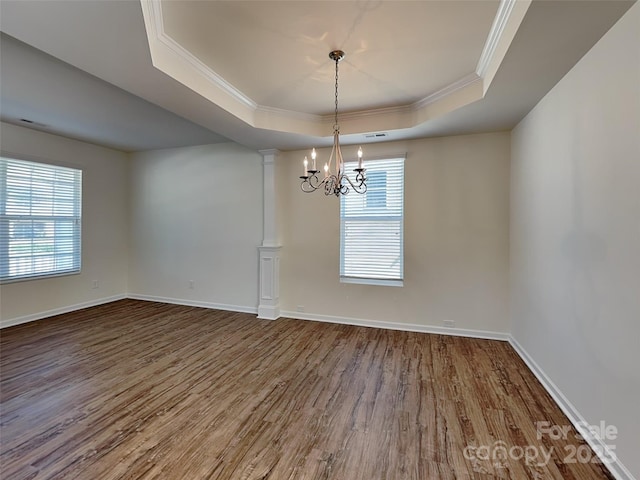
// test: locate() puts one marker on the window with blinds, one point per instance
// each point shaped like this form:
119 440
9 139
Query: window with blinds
371 226
40 213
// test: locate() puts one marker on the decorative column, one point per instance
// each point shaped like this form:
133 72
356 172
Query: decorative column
269 251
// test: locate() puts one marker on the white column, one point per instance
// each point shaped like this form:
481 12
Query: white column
269 258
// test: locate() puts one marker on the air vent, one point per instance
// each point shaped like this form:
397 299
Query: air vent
32 123
376 135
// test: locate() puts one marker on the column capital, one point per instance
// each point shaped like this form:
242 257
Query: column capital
269 155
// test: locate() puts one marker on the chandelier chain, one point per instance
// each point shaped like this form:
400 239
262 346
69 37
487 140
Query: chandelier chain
336 127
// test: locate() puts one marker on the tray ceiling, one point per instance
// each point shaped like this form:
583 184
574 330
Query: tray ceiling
276 53
258 73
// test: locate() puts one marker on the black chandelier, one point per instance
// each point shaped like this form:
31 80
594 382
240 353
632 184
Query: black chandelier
337 183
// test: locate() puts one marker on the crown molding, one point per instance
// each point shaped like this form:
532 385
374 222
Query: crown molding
374 112
410 108
505 25
205 71
495 34
154 11
170 53
292 114
446 91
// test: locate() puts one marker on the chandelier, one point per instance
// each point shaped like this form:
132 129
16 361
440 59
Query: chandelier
337 183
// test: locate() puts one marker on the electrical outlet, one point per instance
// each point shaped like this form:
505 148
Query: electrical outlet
95 284
449 324
192 284
300 308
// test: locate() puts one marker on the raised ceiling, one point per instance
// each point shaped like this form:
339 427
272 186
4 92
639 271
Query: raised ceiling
276 53
267 62
258 72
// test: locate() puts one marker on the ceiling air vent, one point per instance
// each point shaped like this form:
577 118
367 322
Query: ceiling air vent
32 123
376 135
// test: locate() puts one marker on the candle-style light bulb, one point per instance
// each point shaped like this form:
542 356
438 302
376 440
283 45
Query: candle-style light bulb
313 157
359 157
326 170
305 164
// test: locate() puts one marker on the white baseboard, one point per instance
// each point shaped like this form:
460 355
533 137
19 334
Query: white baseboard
58 311
617 469
194 303
408 327
71 308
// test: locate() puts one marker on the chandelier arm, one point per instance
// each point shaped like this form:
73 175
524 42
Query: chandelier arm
311 183
330 185
360 186
339 160
333 152
306 187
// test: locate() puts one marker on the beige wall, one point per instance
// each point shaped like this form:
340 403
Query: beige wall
196 215
456 238
575 235
104 226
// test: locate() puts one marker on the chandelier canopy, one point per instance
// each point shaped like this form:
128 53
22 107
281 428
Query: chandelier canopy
337 183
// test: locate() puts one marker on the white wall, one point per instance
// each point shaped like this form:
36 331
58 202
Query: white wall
196 214
104 227
575 235
456 238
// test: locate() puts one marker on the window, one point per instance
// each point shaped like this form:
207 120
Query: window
371 226
40 210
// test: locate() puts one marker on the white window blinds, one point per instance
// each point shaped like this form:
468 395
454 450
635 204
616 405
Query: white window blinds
371 226
40 212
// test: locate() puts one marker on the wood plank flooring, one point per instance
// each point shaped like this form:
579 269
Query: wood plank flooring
142 390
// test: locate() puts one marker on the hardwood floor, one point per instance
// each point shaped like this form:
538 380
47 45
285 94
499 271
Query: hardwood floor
141 390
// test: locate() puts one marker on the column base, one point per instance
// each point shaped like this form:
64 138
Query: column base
269 306
268 312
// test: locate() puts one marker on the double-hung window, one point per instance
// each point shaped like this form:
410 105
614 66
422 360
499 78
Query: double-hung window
40 213
371 226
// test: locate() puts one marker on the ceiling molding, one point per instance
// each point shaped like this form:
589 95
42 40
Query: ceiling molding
446 91
497 29
451 97
172 58
505 25
467 92
306 117
154 12
281 120
206 71
373 112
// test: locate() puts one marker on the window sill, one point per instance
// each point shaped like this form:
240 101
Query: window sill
42 276
372 281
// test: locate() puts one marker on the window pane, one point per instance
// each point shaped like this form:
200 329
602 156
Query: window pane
40 209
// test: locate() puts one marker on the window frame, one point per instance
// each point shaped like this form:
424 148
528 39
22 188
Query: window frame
371 280
76 218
